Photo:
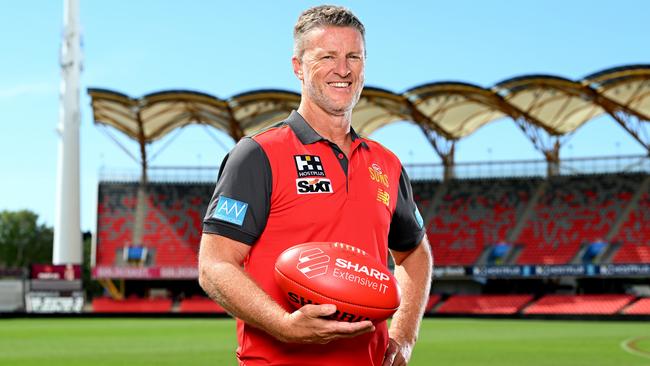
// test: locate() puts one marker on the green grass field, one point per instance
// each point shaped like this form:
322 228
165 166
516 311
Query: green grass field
448 342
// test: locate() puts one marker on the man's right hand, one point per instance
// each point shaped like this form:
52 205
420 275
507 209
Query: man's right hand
309 324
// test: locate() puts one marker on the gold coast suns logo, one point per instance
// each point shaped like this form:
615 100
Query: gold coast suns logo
377 175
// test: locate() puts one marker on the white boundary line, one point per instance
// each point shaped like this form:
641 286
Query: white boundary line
625 345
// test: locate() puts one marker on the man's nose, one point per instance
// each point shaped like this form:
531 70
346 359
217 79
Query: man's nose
342 67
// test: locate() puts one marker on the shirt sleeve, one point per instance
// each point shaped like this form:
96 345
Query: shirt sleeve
241 201
406 226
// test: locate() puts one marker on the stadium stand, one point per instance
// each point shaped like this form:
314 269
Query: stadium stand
469 222
423 193
173 222
432 302
200 304
579 304
634 235
572 211
484 304
470 216
131 305
640 307
474 213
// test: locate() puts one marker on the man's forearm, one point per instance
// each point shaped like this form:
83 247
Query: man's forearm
414 278
238 294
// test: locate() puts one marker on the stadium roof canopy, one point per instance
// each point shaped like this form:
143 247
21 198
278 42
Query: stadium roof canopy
456 109
556 104
547 108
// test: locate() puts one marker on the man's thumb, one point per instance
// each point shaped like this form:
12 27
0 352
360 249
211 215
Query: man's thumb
317 311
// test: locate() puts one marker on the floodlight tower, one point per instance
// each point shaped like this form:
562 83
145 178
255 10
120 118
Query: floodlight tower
67 227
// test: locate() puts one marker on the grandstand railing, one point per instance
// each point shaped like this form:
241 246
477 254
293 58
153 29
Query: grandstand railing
161 174
416 171
531 168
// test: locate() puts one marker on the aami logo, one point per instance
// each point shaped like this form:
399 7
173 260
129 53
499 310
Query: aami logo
313 262
230 210
309 166
313 185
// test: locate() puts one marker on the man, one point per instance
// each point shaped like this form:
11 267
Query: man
312 178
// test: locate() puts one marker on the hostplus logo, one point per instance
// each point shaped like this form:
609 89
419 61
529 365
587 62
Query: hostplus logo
313 262
309 166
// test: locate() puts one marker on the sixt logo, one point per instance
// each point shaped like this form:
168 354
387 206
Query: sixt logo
313 262
309 166
313 185
230 210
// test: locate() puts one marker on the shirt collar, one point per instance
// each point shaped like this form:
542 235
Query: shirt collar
307 135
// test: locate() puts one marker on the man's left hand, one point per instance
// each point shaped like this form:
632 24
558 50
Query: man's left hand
397 354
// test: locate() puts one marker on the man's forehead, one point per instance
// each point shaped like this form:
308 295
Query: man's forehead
328 37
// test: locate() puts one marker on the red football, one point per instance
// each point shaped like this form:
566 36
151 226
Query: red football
339 274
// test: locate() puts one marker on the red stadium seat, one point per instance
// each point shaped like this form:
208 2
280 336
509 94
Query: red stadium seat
131 305
634 235
473 214
640 307
484 304
574 210
172 227
200 305
433 301
579 304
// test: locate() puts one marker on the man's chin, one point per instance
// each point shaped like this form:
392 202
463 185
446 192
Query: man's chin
339 111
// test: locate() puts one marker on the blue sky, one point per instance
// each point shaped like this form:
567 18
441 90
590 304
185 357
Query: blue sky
224 48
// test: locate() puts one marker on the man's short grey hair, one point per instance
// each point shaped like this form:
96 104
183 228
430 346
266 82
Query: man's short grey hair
323 16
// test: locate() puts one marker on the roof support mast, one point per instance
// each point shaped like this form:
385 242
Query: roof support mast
67 227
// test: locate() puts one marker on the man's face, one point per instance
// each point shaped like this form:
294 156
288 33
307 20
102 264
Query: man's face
332 68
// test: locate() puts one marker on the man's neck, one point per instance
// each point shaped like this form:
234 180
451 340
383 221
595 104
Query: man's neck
333 128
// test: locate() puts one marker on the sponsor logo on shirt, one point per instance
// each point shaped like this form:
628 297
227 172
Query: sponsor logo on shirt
313 185
418 217
383 196
377 175
309 166
230 210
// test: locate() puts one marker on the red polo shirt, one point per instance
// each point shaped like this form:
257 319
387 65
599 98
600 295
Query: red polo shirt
287 185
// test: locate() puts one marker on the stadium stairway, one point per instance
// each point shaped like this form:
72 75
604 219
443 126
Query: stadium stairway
634 234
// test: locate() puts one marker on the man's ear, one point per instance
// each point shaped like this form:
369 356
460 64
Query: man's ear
297 67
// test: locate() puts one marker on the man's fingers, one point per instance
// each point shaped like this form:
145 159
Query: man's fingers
391 352
316 320
389 358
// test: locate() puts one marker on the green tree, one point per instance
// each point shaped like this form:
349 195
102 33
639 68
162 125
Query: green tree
23 240
92 287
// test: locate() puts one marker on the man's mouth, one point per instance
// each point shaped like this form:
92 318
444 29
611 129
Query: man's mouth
340 84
